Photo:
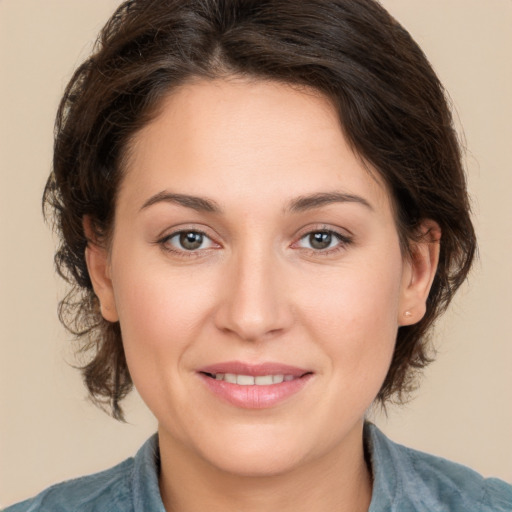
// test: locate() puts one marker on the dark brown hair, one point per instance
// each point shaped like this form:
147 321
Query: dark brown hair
391 105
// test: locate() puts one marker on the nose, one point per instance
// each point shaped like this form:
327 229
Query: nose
254 301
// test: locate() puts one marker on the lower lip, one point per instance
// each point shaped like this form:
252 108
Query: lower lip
255 397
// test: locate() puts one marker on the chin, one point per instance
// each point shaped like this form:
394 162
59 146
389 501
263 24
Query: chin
256 459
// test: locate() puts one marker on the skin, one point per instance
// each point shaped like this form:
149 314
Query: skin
257 290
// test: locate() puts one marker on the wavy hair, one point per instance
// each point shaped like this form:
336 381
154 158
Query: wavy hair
390 102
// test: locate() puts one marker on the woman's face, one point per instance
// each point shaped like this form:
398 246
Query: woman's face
256 272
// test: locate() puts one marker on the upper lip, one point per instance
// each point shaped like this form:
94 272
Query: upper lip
255 370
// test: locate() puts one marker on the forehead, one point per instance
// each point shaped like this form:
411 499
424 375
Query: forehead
248 138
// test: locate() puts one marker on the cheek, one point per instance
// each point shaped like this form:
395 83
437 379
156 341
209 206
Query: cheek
160 313
356 300
354 315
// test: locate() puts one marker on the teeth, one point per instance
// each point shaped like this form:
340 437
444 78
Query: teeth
245 380
264 380
249 380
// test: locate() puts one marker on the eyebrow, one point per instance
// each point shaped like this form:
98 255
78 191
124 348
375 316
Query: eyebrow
320 199
300 204
200 204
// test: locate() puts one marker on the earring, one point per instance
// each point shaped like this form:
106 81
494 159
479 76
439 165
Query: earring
407 314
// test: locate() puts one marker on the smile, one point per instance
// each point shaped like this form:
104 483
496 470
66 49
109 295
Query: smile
254 386
249 380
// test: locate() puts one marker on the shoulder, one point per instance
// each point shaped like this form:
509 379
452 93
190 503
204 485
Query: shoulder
458 483
131 486
453 484
419 481
106 490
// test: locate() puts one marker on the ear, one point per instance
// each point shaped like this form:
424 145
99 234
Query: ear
98 265
419 271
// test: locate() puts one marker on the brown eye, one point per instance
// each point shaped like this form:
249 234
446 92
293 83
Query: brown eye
191 240
187 241
324 241
320 240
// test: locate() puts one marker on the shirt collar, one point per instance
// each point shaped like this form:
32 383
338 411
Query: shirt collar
387 481
146 491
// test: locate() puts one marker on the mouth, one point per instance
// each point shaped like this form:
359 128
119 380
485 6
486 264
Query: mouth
254 386
251 380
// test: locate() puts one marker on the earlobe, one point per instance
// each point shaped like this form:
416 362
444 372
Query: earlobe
419 272
96 257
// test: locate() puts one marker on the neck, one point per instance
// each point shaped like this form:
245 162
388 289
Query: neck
338 481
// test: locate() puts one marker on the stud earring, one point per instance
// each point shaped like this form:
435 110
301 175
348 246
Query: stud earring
408 314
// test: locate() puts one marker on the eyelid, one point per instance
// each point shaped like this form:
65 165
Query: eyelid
188 231
163 239
342 233
342 236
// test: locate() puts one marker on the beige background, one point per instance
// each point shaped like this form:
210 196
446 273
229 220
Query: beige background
48 430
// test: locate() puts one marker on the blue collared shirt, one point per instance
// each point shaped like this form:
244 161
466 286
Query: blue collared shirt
404 480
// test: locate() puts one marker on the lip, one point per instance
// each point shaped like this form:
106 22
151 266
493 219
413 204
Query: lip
255 396
254 370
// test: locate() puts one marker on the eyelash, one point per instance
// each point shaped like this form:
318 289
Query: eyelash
183 253
343 242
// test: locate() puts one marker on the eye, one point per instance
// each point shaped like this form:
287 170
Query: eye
187 241
323 240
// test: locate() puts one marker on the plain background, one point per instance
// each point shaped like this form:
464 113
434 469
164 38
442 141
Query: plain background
50 432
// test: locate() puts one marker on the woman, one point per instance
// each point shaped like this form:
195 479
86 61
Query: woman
263 210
